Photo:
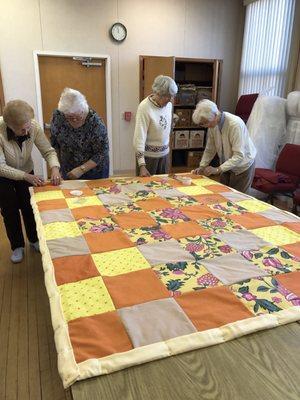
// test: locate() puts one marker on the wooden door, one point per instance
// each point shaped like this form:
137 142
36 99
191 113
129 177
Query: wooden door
150 68
56 73
216 81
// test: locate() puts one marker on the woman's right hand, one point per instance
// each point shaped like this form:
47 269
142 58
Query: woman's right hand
198 171
34 180
144 171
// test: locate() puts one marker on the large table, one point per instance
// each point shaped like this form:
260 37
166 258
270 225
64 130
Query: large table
141 269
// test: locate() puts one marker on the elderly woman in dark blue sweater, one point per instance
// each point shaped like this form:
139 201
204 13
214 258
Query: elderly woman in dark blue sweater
79 137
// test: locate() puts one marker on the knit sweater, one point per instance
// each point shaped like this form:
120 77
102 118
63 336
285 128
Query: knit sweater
233 145
14 162
152 130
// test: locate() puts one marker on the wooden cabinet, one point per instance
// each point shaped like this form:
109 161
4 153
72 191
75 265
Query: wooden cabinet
196 79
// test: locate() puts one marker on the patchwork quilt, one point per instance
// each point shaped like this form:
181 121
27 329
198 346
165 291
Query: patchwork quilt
138 269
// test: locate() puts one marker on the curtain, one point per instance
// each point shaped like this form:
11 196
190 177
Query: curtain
266 47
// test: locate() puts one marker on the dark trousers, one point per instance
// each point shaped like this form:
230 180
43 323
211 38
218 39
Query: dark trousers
241 182
15 196
155 166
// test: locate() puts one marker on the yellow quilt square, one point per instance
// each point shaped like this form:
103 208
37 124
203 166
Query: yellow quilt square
119 262
76 202
85 298
185 277
263 295
194 190
254 205
204 182
50 195
277 235
58 230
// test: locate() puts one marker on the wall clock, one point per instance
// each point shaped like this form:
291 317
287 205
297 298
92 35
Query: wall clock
118 32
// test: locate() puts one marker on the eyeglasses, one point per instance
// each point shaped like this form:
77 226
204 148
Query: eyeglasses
75 117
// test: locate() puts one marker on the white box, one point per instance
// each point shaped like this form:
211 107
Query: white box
181 139
196 139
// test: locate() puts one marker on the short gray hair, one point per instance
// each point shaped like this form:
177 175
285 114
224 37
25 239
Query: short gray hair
72 101
164 86
205 110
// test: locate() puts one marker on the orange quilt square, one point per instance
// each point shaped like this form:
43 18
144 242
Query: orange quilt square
46 205
293 249
107 241
93 212
155 203
205 199
98 336
183 229
218 188
74 268
135 288
147 179
200 212
97 183
293 226
251 220
212 308
134 219
45 188
290 281
85 192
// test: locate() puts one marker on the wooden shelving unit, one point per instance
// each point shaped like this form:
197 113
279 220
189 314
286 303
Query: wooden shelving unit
202 74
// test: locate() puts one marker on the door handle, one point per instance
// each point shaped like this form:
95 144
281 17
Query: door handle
47 126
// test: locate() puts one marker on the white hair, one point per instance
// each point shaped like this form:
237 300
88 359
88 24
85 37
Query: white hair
164 86
72 102
205 110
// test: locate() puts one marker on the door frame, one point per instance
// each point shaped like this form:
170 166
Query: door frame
36 54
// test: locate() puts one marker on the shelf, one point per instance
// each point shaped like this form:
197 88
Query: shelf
197 128
193 82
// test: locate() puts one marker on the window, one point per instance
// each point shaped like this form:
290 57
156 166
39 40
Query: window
266 46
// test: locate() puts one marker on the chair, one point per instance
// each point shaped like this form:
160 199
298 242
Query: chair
286 177
244 106
296 201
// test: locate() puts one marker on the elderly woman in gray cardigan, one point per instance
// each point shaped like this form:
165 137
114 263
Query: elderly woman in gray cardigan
18 133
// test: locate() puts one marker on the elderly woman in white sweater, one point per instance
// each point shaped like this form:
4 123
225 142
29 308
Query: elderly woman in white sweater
229 138
18 133
153 126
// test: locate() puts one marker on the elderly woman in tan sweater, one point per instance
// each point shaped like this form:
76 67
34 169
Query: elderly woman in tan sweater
18 132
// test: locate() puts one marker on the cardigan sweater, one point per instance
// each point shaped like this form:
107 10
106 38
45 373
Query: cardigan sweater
233 145
15 161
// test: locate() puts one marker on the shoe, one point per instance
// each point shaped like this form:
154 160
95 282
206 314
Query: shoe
36 246
17 255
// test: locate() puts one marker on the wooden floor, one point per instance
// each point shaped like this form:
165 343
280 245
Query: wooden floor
264 365
28 362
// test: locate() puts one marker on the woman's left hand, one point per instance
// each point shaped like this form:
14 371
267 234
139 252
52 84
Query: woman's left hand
55 176
76 173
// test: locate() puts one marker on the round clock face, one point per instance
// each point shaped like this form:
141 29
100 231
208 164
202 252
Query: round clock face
118 32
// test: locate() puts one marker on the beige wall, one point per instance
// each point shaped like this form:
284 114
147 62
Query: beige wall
190 28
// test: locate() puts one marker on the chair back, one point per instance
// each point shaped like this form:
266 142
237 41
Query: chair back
289 160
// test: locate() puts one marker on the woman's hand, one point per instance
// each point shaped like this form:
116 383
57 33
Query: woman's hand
55 176
198 171
76 173
144 171
211 171
34 180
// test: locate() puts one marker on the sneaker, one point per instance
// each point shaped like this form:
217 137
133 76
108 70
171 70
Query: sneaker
36 246
17 255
